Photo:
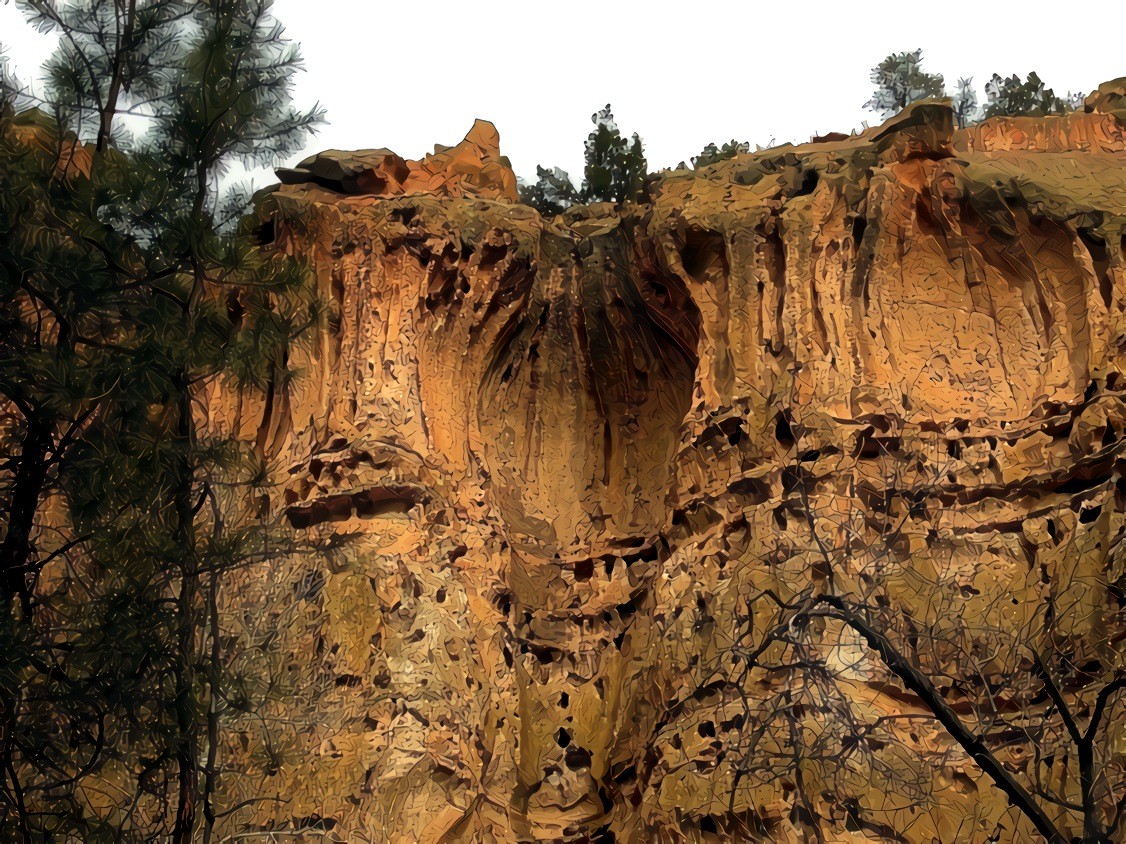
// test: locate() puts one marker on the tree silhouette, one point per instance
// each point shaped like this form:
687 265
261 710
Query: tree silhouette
1012 95
552 193
712 153
615 166
900 81
965 103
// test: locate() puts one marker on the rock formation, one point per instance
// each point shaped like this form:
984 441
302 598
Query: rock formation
555 460
472 169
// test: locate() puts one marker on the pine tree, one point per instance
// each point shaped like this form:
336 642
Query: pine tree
900 80
113 55
616 168
67 281
234 104
1011 95
126 294
552 193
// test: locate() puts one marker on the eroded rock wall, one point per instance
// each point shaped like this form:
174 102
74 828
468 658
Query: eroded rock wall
553 460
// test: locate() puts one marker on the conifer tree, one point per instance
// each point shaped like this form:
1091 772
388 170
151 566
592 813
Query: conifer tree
552 193
113 55
126 295
900 80
67 356
615 166
234 104
1012 95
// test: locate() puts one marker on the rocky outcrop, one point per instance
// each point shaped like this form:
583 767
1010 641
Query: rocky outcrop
1108 98
551 463
472 169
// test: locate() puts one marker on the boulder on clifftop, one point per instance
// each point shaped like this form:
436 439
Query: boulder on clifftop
378 172
1108 98
473 169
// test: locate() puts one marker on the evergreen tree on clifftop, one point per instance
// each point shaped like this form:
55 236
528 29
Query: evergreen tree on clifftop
1012 95
552 193
900 80
966 110
615 166
615 171
711 154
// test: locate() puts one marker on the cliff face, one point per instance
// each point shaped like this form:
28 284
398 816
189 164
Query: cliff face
552 463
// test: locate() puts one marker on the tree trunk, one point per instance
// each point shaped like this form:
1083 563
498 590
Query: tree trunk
113 92
1092 829
187 741
188 750
214 678
27 490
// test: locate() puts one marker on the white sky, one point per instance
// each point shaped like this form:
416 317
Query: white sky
406 75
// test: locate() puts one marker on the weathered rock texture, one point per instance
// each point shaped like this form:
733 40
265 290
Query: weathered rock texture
559 457
472 169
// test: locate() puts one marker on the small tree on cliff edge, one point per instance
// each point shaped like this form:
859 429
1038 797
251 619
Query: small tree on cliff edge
552 193
711 154
615 166
1011 95
900 80
966 110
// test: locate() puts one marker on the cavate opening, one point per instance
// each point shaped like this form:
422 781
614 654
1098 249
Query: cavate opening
371 503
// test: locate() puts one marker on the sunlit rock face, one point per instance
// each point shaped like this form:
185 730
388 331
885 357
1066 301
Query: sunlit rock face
547 463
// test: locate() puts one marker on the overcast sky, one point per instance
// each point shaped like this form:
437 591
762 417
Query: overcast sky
407 75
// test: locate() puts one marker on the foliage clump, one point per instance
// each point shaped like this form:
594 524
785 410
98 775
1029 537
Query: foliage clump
965 103
1013 95
552 193
615 171
900 80
128 289
615 166
712 154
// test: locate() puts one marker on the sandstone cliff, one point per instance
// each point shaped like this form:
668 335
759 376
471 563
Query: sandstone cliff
557 461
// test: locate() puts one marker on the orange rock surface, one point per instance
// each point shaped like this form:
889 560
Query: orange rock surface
474 169
557 458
